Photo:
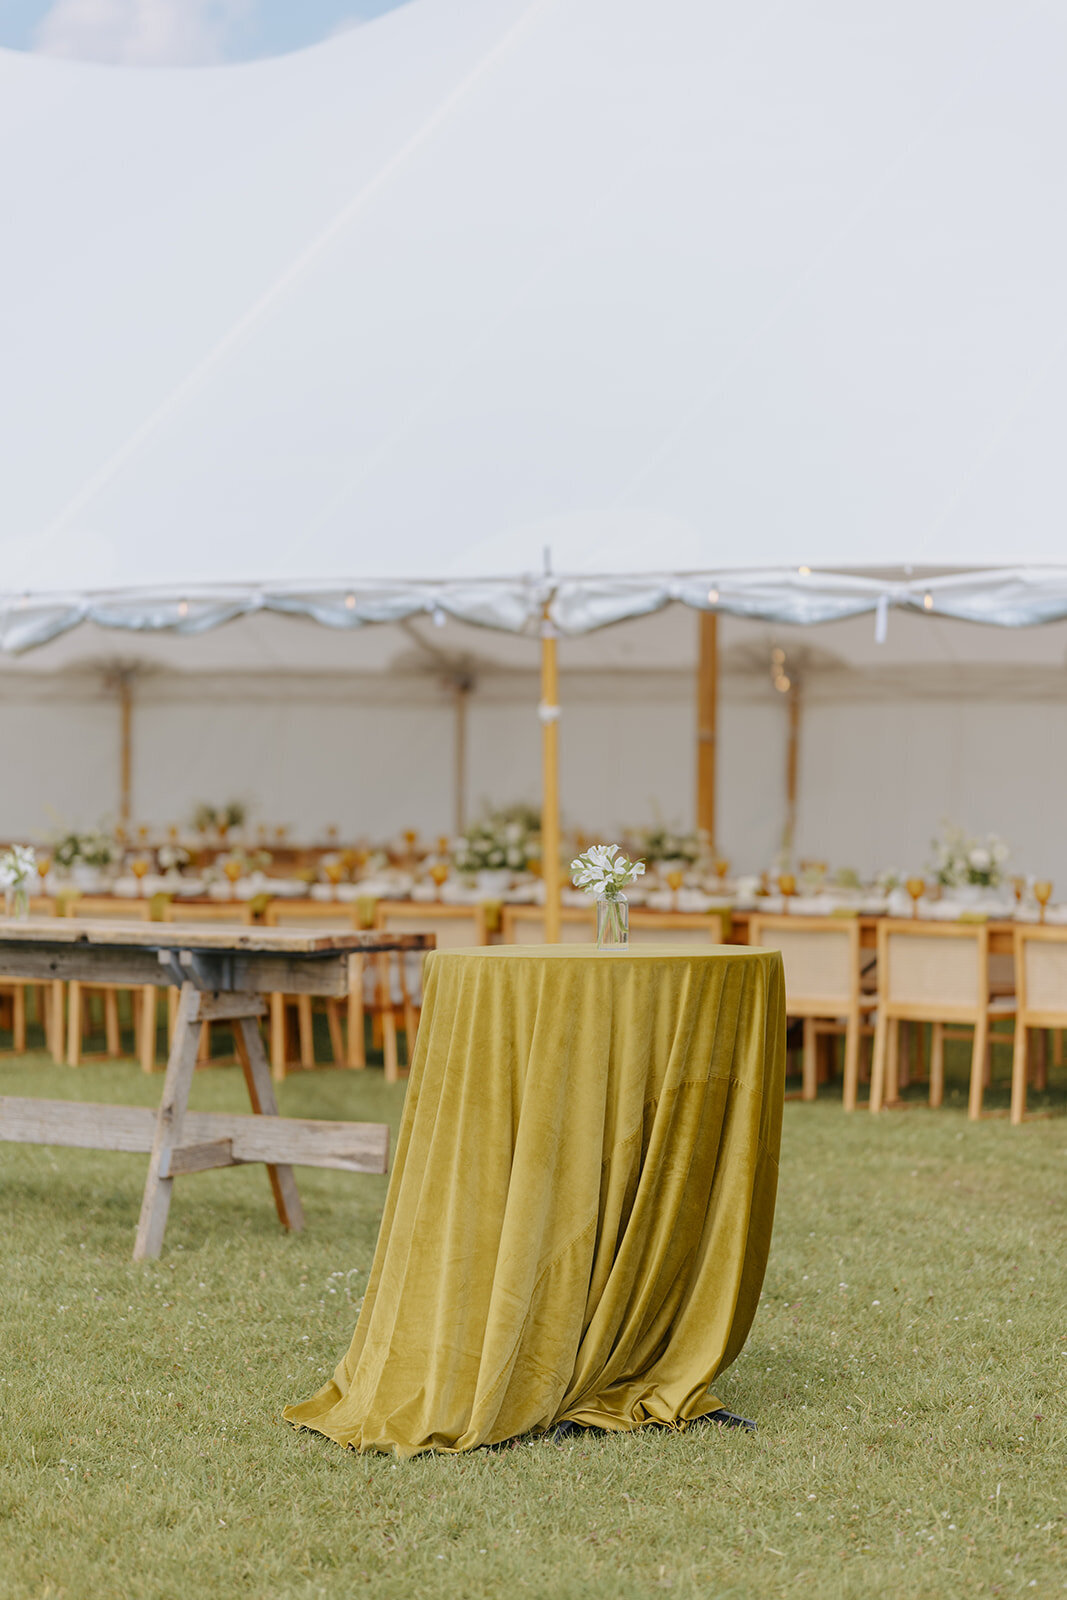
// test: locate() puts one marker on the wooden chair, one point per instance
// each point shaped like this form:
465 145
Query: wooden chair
47 997
823 984
99 908
326 914
677 927
526 924
1041 998
453 927
937 973
230 913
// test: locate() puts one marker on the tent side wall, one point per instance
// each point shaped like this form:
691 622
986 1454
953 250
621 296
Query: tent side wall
876 775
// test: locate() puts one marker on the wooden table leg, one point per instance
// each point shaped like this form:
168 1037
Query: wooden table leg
256 1069
56 1020
176 1086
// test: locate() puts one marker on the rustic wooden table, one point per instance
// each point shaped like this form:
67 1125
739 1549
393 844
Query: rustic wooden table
224 973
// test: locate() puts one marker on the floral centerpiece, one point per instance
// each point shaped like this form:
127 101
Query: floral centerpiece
172 858
85 856
493 849
665 844
960 861
604 871
18 864
222 818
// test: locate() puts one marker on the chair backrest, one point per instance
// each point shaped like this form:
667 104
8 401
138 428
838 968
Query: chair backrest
820 958
677 927
939 969
109 908
526 924
324 913
1041 974
235 913
453 927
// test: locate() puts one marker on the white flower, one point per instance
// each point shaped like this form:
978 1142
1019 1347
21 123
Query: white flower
979 858
17 865
604 870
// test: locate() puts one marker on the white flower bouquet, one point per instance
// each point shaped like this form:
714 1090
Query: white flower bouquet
92 849
664 844
18 863
959 859
498 844
604 871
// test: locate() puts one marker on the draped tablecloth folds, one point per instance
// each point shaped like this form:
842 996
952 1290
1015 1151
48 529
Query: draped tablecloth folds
580 1211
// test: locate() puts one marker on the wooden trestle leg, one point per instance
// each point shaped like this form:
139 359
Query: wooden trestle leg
169 1156
176 1086
256 1069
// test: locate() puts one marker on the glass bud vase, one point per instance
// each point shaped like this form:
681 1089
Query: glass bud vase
612 922
17 901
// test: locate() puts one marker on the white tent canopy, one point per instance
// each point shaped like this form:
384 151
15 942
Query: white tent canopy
697 295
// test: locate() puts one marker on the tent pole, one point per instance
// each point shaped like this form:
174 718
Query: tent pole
125 747
460 691
791 767
707 724
549 714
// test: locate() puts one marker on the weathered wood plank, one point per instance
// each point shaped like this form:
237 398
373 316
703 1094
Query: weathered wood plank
325 974
79 1125
217 1006
339 1146
199 1157
303 940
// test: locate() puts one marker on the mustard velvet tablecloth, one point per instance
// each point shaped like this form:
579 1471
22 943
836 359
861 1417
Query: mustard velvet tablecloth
580 1211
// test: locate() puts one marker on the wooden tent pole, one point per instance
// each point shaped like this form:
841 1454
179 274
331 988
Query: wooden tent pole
707 724
791 768
460 689
125 747
549 714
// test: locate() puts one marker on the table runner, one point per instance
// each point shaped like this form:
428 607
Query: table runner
580 1211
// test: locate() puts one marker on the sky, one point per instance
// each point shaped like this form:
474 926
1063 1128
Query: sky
168 33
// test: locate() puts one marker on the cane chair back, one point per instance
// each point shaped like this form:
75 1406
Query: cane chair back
453 927
821 963
925 971
230 913
936 973
526 925
677 927
109 908
820 959
1041 998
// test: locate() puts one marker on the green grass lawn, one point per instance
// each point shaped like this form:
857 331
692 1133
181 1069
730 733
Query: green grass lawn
908 1369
